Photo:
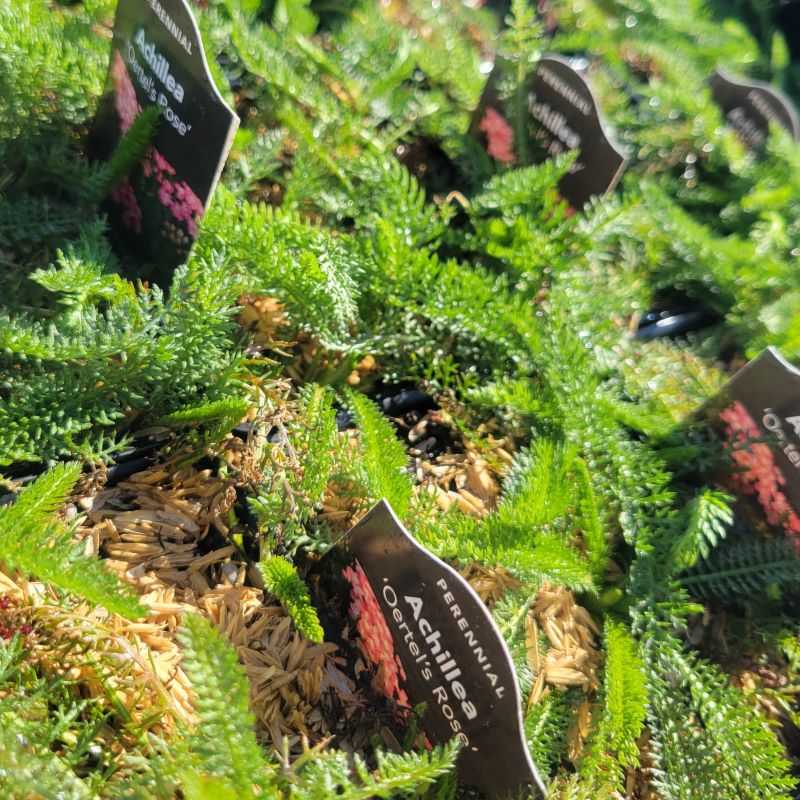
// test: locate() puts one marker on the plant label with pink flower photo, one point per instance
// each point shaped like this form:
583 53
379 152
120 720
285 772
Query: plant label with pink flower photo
157 59
556 113
431 640
758 418
750 106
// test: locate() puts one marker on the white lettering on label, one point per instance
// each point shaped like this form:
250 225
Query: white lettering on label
166 20
426 648
471 638
159 65
772 422
555 122
761 105
445 663
753 136
562 138
147 82
572 96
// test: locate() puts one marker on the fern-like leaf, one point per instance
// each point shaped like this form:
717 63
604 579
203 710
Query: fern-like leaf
35 543
546 726
335 774
384 462
539 489
223 744
28 767
130 149
524 190
746 568
281 578
624 708
223 415
80 275
593 531
551 560
526 534
625 692
298 468
709 516
708 741
39 502
284 256
314 436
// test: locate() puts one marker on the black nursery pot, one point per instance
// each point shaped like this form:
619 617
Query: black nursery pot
675 313
394 400
127 462
425 159
670 324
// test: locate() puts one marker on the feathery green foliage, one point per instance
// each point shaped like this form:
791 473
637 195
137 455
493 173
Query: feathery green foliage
593 531
52 67
130 148
624 700
111 352
217 417
383 462
745 569
707 743
278 252
708 518
297 469
282 580
34 542
223 745
337 775
27 765
546 726
528 533
356 199
229 411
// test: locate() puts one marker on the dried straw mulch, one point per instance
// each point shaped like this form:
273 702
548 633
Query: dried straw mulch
156 530
572 657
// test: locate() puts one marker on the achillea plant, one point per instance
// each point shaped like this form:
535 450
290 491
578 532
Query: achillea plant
360 240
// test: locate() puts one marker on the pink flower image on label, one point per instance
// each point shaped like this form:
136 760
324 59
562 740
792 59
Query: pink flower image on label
182 203
760 475
499 136
125 197
124 94
162 165
366 612
177 197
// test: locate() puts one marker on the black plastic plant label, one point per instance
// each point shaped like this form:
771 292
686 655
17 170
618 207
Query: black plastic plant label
434 642
758 418
750 107
557 113
157 59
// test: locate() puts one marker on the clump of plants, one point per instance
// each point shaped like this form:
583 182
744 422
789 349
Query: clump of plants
377 308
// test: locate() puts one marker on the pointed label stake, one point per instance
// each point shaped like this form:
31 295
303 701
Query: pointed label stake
556 113
750 106
757 415
438 645
157 59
